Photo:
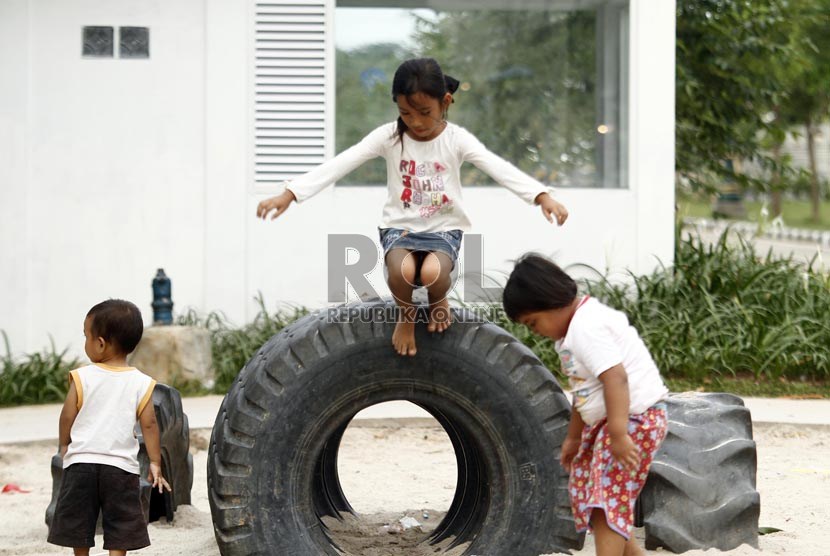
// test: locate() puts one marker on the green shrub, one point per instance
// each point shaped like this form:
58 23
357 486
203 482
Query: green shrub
35 378
722 311
725 310
232 346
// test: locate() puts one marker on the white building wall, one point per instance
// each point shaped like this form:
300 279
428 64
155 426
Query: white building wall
15 53
224 273
651 120
112 168
113 151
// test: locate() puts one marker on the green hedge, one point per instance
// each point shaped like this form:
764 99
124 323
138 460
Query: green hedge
35 378
233 346
722 311
726 310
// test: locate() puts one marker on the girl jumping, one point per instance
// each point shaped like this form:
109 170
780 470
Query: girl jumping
423 217
618 420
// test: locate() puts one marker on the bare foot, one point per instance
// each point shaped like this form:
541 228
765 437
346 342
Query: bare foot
403 338
440 316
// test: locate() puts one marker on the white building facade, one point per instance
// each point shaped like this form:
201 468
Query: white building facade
154 155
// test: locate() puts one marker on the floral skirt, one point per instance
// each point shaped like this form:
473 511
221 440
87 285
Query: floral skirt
597 480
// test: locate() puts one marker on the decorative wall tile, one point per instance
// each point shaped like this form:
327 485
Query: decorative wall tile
98 42
134 42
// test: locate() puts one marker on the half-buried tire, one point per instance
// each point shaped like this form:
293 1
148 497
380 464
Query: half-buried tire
176 460
272 468
700 492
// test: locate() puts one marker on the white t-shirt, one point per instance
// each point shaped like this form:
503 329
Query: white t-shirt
423 177
597 339
110 399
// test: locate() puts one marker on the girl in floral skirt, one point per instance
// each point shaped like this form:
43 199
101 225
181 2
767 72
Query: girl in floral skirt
618 420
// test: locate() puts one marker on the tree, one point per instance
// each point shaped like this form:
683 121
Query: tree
808 102
727 84
364 85
528 88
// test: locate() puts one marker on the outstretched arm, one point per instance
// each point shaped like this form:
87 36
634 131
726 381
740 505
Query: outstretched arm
509 176
552 209
309 184
276 205
150 430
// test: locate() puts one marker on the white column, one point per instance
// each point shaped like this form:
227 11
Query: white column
651 121
227 147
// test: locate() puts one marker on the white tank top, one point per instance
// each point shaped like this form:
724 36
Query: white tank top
110 399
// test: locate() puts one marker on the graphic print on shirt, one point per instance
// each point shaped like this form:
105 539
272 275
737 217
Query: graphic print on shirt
569 368
423 187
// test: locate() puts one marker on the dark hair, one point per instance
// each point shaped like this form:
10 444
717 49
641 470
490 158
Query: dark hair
536 284
117 321
420 75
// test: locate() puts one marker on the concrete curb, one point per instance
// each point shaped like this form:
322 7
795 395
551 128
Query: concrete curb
769 231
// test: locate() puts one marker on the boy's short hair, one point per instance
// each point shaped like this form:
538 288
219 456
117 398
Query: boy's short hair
536 284
119 322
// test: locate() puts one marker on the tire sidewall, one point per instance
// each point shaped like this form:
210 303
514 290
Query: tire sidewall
515 421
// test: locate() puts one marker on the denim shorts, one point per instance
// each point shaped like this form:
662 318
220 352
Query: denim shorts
428 242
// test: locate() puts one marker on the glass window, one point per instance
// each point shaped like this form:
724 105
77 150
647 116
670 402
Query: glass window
542 84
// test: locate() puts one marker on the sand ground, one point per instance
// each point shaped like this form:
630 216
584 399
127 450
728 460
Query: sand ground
389 470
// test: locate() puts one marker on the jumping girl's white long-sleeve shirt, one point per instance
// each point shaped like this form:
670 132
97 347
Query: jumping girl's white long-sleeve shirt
423 177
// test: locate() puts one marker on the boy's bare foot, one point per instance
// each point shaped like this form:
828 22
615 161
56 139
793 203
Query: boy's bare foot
403 338
440 316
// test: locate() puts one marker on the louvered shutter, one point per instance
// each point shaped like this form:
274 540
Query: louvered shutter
293 111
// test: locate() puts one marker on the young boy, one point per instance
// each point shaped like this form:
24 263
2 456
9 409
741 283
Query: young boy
97 438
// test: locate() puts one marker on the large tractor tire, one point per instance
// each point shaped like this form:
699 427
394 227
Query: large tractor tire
700 492
176 460
272 468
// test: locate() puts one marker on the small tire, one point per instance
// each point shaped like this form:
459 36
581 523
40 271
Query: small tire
700 492
272 472
176 459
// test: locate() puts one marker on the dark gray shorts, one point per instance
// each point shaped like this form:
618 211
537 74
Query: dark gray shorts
86 489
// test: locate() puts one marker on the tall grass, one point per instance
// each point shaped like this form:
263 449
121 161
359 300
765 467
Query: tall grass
232 346
725 310
43 377
722 311
35 378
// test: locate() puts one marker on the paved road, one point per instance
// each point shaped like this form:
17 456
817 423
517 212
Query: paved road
783 243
